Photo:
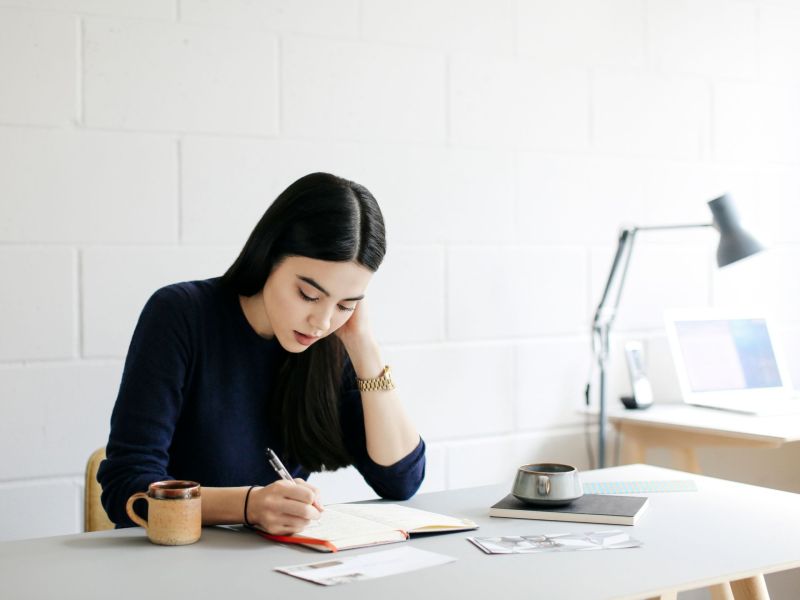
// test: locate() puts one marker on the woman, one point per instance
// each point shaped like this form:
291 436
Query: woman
276 353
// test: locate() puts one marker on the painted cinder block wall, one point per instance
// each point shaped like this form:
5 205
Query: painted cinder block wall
506 141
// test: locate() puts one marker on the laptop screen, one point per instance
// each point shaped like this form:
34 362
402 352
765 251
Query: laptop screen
728 354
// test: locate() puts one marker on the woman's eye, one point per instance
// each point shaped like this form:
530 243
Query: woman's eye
346 309
307 298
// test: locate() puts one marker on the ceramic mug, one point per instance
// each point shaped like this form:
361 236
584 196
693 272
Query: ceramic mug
547 483
173 512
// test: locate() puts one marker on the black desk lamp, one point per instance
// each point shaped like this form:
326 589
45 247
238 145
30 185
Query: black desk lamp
734 244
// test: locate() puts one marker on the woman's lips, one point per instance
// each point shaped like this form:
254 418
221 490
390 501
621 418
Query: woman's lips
304 339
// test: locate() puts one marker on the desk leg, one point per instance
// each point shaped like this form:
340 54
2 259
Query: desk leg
752 588
634 451
721 591
687 460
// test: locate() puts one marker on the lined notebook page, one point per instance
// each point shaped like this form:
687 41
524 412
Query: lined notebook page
335 525
396 516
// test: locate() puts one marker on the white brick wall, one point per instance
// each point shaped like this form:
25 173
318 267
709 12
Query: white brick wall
506 141
167 77
38 68
325 17
116 283
518 104
62 186
357 91
454 25
38 318
582 32
715 37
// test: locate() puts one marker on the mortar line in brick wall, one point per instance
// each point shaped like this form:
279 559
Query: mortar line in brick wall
589 298
78 296
70 478
514 9
109 243
280 50
711 144
256 136
171 133
590 108
648 54
517 199
77 507
558 430
516 381
474 343
100 361
448 121
179 187
445 291
79 74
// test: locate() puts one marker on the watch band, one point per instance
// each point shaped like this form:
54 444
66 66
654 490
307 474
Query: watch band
381 383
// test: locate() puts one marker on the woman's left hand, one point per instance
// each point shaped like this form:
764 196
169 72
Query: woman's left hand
356 331
361 347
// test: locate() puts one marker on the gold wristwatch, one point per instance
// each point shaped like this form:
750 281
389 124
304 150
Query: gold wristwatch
381 383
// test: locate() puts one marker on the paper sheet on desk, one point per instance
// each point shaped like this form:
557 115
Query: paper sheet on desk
366 566
556 542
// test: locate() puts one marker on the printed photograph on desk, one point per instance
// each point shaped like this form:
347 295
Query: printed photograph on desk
366 566
556 542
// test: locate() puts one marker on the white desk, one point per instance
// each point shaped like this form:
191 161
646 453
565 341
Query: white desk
725 531
682 428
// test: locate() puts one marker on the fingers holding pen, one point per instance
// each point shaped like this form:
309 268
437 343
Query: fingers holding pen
316 501
283 507
306 497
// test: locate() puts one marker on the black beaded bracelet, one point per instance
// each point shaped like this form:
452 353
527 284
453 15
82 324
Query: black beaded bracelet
246 500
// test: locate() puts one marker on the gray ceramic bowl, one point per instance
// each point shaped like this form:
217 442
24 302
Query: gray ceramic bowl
547 484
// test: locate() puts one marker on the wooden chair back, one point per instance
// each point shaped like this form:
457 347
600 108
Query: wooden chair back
94 515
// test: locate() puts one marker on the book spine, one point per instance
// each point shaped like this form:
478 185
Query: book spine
294 539
573 518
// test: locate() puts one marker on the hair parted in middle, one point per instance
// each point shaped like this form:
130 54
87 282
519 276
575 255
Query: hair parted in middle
324 217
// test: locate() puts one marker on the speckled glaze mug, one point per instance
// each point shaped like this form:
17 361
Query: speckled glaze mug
173 512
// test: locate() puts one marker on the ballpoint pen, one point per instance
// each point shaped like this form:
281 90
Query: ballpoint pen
277 465
284 474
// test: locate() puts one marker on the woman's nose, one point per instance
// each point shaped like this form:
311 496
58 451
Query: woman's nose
320 321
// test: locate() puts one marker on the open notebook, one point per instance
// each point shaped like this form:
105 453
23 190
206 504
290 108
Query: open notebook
345 526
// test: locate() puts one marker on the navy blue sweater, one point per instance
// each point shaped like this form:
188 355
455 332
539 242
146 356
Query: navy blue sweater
193 404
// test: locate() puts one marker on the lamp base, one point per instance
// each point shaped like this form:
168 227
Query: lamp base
631 403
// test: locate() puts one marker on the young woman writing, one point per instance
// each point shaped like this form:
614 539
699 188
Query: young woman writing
276 353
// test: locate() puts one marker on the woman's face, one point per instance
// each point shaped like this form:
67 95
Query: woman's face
306 299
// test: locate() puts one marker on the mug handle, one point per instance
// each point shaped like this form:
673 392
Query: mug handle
129 509
544 485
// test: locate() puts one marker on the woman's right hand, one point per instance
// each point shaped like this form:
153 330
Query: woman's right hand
284 508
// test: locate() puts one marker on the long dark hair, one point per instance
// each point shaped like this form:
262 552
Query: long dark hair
324 217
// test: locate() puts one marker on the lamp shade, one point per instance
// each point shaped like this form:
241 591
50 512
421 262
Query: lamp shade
734 242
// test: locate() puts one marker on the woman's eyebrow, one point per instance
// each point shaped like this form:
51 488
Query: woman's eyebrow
313 283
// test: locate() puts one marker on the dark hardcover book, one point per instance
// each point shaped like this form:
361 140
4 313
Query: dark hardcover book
590 508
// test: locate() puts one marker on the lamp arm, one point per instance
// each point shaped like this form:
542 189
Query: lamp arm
604 318
621 261
667 227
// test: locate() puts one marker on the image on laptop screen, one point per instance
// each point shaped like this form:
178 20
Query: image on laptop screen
733 354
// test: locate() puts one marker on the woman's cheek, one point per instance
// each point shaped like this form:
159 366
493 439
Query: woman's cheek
344 318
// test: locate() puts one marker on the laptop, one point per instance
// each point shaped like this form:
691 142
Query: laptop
730 361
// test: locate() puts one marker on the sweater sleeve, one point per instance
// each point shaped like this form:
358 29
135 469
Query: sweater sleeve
398 481
148 404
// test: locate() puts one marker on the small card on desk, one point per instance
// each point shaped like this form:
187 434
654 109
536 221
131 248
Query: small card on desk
589 508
